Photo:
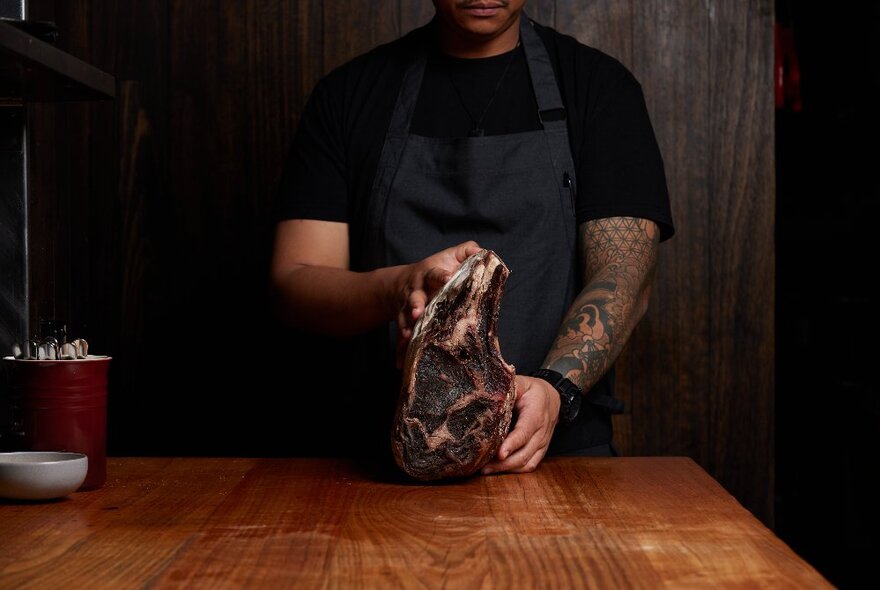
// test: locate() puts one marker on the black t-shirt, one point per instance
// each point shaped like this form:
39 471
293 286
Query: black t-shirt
336 149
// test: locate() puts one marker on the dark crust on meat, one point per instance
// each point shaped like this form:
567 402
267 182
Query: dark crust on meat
457 395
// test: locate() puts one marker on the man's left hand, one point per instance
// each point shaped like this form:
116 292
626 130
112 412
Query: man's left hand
537 411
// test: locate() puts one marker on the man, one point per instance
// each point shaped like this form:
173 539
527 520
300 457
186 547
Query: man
481 129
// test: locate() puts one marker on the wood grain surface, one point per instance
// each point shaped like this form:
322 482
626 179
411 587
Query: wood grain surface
152 217
742 253
677 98
576 522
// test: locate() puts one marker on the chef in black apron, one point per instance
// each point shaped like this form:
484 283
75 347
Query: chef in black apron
512 193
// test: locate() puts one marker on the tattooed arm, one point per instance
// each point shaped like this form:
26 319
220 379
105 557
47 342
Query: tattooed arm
618 256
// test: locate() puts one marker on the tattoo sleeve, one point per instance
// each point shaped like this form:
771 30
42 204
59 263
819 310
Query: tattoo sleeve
618 256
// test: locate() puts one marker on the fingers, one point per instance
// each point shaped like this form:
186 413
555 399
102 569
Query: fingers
465 249
444 265
432 282
521 451
525 460
412 309
525 446
422 281
416 303
405 322
403 338
435 279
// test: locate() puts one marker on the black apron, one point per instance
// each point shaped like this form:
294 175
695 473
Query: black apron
513 194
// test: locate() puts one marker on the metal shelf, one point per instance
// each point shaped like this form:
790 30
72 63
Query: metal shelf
34 71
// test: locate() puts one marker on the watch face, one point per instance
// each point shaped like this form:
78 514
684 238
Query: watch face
574 407
573 399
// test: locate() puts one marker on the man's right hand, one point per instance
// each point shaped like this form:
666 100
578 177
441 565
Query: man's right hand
315 289
418 282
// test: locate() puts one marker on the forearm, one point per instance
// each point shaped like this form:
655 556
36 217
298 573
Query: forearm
595 330
314 289
618 275
335 301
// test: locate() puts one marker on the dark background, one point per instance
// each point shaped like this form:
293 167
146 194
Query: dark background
150 235
169 188
827 402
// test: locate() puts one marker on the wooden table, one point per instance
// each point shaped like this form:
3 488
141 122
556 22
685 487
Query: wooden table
576 522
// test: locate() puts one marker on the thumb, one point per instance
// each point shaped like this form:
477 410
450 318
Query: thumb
523 383
435 279
465 249
523 429
416 303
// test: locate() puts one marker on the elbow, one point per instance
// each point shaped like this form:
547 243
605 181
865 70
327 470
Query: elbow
283 291
643 301
647 288
279 311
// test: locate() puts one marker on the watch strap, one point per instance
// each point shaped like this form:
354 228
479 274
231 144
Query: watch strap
570 394
602 400
552 377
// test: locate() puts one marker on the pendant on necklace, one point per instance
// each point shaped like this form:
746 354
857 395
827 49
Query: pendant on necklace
476 132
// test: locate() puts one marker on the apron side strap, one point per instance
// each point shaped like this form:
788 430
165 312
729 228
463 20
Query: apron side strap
603 400
551 115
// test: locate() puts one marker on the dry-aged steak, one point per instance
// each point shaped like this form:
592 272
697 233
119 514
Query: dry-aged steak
457 395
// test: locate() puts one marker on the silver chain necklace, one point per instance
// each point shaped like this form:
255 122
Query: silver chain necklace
477 129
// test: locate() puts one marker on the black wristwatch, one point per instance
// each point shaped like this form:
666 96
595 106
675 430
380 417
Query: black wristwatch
569 393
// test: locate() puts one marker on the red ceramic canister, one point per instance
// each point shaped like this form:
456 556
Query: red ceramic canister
62 405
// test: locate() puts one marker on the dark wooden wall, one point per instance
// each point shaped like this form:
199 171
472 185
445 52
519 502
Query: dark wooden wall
154 227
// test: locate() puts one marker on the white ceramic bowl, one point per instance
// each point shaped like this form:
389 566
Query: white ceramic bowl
41 475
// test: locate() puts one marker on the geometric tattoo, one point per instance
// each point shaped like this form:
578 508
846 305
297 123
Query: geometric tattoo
618 258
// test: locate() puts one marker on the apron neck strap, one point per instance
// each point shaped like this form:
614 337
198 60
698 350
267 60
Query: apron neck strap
409 94
550 107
